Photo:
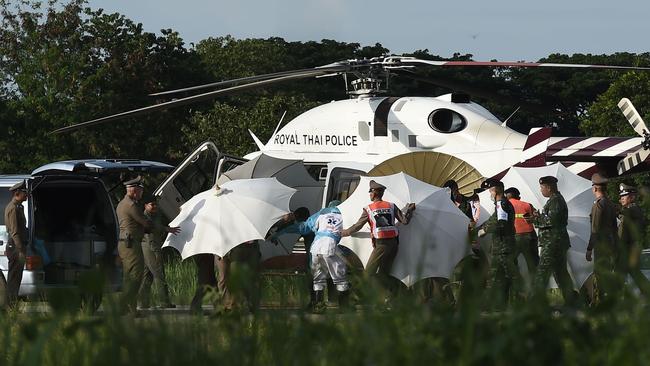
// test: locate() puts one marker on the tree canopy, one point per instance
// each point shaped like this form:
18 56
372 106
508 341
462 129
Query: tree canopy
64 63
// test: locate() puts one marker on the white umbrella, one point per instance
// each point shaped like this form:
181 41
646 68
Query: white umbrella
431 245
215 221
577 194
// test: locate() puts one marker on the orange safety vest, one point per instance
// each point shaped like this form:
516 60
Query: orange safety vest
522 208
381 217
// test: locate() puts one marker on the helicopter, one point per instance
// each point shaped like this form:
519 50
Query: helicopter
369 128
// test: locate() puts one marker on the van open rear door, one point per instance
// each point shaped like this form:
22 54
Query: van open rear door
197 173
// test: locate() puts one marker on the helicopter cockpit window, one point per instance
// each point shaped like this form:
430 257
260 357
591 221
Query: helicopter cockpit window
447 121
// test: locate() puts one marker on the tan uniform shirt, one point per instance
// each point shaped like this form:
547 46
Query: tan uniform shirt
133 223
16 225
603 223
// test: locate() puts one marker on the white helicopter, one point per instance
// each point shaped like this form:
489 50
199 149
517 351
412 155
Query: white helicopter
368 129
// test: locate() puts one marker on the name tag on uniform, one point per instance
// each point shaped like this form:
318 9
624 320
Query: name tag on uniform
501 214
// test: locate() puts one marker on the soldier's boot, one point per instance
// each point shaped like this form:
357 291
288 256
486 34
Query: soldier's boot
344 301
319 302
312 299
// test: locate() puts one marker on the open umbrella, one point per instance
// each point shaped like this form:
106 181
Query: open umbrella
431 245
291 173
215 221
577 193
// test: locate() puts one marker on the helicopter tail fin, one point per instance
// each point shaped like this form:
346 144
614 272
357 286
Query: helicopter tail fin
258 142
534 152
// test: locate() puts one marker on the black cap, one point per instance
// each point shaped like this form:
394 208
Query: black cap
548 180
450 184
513 191
135 182
375 185
491 182
20 186
624 190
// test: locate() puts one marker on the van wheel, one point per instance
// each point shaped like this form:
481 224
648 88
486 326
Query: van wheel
90 302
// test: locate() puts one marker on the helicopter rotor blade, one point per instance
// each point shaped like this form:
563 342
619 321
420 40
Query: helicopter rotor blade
397 61
200 97
336 67
476 91
635 119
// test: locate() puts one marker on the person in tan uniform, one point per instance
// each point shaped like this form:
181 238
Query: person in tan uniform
153 260
603 241
631 238
16 225
133 225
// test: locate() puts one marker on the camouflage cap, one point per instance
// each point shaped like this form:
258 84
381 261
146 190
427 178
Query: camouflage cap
135 182
548 180
20 186
624 190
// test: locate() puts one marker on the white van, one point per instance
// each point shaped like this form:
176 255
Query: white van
72 224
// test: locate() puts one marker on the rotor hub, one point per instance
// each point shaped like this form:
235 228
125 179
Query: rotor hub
365 86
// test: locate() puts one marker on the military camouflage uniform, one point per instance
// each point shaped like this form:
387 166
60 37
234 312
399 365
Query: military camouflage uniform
603 242
554 241
133 224
631 238
503 270
154 271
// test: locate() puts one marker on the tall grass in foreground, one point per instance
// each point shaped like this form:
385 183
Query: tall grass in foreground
528 333
408 335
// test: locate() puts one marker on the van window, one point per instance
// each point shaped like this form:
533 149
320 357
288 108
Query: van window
342 183
65 211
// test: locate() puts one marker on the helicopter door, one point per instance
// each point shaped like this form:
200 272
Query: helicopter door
197 173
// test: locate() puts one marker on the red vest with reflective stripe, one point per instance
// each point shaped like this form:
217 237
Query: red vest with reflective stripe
381 216
522 208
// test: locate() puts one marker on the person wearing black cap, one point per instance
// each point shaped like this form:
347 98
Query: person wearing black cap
501 225
631 235
381 215
554 242
525 235
133 225
152 254
602 241
17 234
458 199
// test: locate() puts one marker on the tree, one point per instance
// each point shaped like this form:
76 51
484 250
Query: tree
65 64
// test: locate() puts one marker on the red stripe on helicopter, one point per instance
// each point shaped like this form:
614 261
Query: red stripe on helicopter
598 147
537 137
566 142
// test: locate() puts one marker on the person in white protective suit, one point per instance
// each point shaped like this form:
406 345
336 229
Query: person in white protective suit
327 259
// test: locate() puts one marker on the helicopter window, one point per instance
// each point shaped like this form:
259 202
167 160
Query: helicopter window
446 121
364 131
413 141
395 134
342 183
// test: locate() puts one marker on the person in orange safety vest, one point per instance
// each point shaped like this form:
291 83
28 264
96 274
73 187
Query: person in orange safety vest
525 236
381 216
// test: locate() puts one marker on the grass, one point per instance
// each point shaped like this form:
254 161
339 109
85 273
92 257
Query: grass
409 334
